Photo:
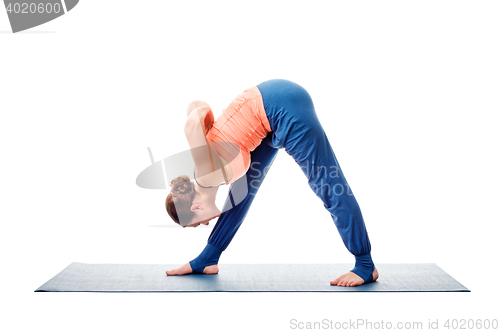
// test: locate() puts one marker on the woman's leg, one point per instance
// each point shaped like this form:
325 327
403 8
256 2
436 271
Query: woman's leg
296 128
231 218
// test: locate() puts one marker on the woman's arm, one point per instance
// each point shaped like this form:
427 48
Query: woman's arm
207 115
207 161
195 104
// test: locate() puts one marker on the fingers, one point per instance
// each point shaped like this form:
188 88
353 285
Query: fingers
190 108
198 103
194 105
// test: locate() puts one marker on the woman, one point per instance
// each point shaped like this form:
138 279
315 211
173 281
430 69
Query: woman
264 118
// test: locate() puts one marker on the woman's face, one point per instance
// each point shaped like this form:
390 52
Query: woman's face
195 224
205 222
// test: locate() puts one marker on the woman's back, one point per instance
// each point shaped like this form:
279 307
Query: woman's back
239 130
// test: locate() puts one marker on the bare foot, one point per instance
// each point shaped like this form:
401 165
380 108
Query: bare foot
186 269
214 269
351 279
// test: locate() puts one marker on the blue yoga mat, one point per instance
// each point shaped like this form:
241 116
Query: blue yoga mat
247 278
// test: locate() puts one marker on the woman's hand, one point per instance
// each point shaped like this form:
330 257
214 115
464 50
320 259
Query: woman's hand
203 115
186 269
193 105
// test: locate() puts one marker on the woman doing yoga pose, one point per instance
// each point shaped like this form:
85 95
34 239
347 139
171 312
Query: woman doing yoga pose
238 149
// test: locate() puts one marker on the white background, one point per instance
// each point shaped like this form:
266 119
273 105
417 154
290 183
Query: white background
408 94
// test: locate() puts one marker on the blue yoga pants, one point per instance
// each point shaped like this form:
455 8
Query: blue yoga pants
296 128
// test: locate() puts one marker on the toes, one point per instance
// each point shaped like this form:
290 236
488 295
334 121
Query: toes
348 280
347 283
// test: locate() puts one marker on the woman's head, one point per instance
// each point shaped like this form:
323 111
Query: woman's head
180 200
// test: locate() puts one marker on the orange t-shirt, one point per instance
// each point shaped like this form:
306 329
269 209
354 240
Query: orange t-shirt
239 130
